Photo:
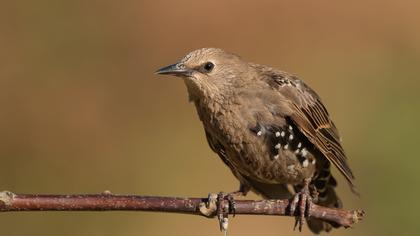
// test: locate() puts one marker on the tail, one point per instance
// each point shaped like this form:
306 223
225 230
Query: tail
325 184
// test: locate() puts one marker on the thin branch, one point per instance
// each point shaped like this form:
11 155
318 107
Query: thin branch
196 206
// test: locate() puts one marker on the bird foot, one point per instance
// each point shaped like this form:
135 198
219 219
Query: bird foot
220 205
225 205
304 201
209 208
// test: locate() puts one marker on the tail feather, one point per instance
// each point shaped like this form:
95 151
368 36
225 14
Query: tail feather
328 198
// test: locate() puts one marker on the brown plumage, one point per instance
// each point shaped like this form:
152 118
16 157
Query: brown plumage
267 126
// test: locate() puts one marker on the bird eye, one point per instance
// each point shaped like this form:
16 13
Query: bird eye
208 66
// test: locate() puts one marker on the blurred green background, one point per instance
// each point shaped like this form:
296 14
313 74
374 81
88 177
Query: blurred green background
82 112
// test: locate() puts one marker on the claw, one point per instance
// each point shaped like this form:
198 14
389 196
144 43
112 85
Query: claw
220 205
304 200
293 204
232 204
223 211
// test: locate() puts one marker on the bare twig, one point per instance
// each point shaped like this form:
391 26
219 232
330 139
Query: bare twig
196 206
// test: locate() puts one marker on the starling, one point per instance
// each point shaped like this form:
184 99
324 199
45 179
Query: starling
268 127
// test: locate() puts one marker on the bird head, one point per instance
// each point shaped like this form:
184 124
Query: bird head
208 72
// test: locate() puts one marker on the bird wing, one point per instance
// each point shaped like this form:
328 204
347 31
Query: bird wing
311 117
217 148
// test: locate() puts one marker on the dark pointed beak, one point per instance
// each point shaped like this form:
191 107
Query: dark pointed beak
177 69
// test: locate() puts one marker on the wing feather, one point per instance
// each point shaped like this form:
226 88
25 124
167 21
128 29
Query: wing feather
311 117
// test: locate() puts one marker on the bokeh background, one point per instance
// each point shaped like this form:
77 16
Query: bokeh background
82 112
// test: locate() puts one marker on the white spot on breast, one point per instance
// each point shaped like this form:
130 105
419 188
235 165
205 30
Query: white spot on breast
291 137
290 167
278 146
297 151
276 157
286 146
304 152
259 133
282 133
290 127
305 163
277 134
313 161
299 145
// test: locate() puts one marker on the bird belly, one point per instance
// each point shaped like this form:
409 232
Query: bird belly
286 168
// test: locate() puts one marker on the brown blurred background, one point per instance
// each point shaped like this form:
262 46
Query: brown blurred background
81 110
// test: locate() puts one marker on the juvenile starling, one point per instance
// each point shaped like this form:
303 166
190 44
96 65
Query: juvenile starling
268 127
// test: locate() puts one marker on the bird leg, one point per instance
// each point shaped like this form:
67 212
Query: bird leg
243 190
304 200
